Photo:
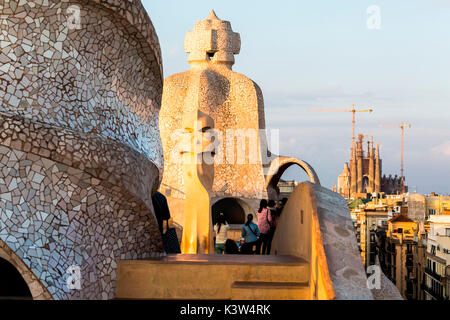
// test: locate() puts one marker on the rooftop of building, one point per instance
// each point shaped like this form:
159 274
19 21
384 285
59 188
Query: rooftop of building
401 218
440 219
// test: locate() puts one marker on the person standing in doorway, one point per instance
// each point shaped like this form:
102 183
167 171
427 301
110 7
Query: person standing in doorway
221 229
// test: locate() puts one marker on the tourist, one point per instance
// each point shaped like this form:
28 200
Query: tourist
231 247
162 213
250 232
281 205
273 220
264 226
221 229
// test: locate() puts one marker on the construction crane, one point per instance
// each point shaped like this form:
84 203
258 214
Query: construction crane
402 126
353 111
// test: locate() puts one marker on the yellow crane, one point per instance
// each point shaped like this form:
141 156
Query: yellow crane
353 111
402 126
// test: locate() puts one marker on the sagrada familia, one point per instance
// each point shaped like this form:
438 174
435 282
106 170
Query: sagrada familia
364 175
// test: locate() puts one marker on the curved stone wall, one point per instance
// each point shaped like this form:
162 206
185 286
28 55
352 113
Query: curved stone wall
101 78
79 142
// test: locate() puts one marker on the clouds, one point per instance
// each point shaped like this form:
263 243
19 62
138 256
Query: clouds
442 149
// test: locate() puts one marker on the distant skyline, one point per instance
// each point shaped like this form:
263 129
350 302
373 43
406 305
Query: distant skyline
321 54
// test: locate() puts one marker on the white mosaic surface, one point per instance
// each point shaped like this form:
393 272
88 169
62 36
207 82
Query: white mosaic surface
80 153
94 79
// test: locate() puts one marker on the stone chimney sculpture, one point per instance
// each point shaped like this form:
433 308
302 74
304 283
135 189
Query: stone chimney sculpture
243 168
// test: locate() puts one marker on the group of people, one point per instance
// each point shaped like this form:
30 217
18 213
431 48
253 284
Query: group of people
257 236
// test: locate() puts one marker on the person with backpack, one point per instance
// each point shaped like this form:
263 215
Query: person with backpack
221 229
250 232
265 226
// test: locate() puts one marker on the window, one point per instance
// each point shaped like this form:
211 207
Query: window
433 249
408 248
431 211
447 232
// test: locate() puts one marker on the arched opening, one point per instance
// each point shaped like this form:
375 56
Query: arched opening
286 165
12 285
231 208
365 183
289 180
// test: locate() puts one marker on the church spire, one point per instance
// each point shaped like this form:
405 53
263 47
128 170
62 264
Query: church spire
378 170
212 15
368 149
372 149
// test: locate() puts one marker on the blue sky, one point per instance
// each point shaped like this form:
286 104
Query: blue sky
308 54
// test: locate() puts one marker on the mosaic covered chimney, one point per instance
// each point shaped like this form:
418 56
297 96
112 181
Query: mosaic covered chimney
80 151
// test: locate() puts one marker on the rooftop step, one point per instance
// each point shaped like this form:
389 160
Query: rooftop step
245 290
205 276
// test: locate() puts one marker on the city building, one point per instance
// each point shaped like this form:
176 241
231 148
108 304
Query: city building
417 207
369 222
370 218
364 174
437 205
422 207
414 253
437 286
286 188
417 276
397 255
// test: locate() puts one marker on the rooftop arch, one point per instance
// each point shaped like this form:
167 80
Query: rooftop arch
279 166
12 260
